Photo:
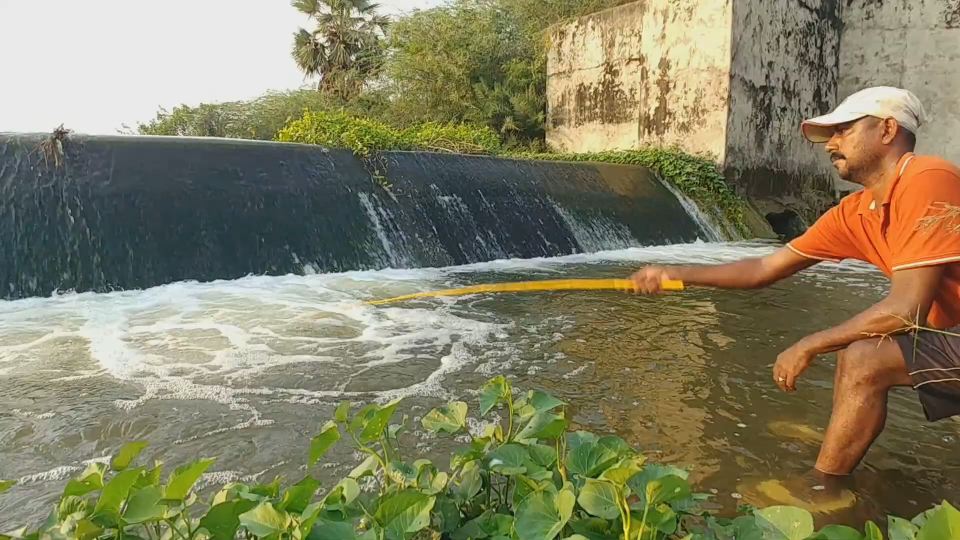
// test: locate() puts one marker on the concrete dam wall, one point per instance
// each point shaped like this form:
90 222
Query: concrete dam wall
735 78
136 212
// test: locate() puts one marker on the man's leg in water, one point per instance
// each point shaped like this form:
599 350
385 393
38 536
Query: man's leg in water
866 371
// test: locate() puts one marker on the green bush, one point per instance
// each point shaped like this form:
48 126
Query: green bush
457 138
529 479
697 177
364 136
339 129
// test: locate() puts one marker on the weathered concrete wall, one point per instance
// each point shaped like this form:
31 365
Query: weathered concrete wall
913 44
785 68
649 73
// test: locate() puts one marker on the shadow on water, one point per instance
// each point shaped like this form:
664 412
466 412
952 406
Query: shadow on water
247 370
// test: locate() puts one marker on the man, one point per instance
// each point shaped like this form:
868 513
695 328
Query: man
906 222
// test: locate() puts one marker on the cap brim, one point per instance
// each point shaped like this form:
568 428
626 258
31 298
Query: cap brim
820 129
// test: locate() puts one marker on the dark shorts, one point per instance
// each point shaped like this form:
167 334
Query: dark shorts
933 360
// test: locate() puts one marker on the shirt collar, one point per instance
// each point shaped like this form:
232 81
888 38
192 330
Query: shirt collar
867 203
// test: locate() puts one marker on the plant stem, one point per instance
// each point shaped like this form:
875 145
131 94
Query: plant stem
643 524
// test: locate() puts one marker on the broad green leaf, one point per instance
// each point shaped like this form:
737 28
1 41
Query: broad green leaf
543 402
785 522
450 418
151 477
367 468
404 512
401 473
223 520
268 491
650 472
509 459
542 515
492 393
462 457
332 530
748 528
342 412
622 472
838 532
395 430
298 496
666 489
542 455
596 529
127 454
544 425
378 422
362 417
576 537
487 525
873 532
144 505
351 490
525 486
943 523
115 492
184 477
590 459
89 480
599 499
265 520
329 435
901 529
86 530
470 484
437 484
308 517
7 485
575 440
446 509
617 445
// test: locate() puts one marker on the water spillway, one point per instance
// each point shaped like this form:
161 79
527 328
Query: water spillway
122 212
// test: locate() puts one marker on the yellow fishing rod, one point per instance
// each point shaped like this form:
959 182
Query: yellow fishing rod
523 286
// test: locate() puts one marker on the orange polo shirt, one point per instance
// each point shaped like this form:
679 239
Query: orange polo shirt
917 225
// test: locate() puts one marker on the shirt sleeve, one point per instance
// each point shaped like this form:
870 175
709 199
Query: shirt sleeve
925 221
828 239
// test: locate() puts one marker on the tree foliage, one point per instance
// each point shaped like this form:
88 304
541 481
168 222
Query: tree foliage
345 50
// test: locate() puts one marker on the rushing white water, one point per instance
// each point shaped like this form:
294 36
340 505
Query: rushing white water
261 360
707 223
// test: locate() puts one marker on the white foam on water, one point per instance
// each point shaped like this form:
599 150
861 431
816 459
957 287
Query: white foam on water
229 342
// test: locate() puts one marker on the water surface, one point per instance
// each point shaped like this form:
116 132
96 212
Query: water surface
248 370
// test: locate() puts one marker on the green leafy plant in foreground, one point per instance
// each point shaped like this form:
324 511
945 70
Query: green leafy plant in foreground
524 478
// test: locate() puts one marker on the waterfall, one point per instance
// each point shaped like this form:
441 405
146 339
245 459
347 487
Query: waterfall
710 225
136 212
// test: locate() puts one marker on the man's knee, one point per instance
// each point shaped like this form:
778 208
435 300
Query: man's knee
871 363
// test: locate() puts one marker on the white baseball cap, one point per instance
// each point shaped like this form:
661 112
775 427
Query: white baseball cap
879 101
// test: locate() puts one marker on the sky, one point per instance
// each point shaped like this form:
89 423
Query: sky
94 65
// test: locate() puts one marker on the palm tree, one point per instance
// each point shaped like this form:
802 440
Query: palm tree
345 50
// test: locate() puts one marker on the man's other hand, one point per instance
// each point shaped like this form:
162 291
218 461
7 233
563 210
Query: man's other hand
790 364
649 280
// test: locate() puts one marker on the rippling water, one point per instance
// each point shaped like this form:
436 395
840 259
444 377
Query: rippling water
248 370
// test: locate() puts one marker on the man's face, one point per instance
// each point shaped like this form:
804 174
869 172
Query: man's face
856 147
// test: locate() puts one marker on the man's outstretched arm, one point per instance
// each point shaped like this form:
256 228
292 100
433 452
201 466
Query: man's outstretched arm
911 296
750 273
